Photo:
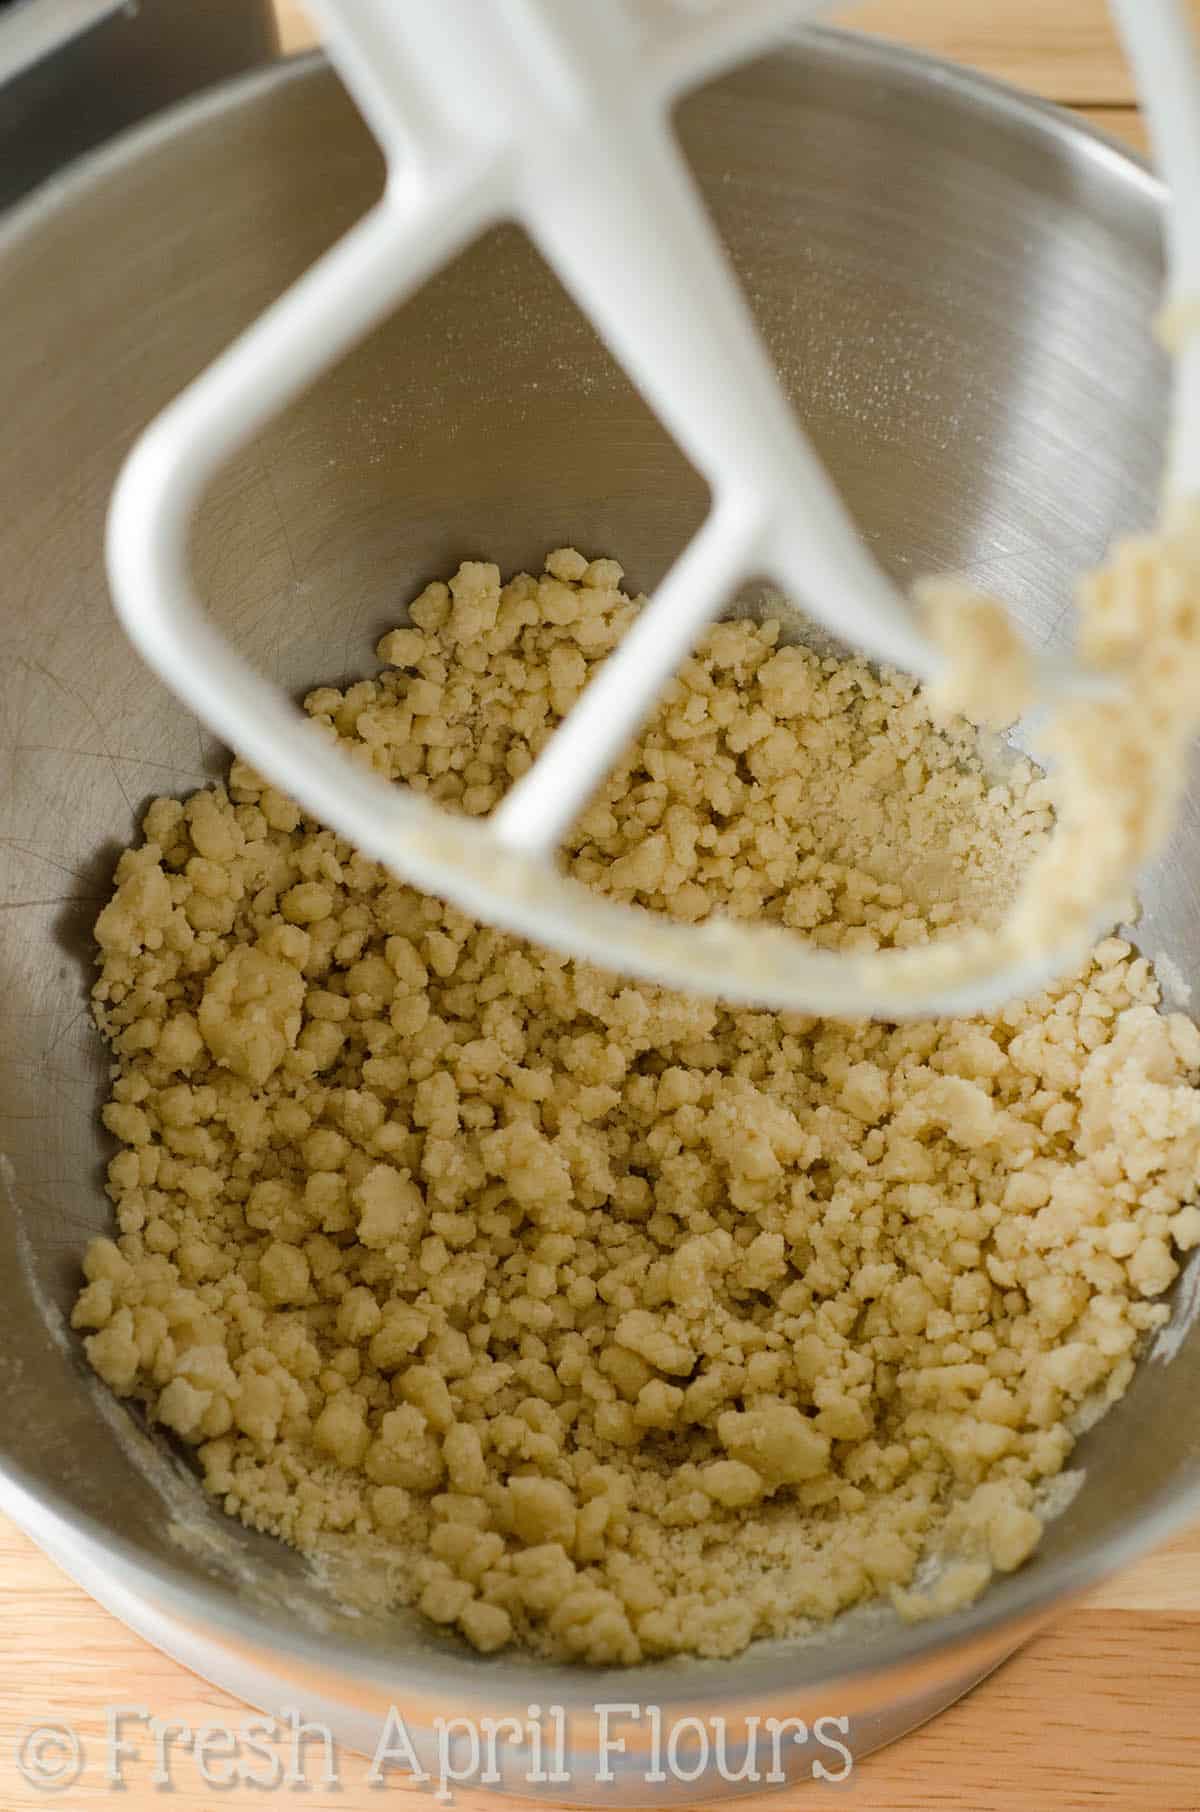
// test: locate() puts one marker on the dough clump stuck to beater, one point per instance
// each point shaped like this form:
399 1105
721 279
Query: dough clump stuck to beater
580 1313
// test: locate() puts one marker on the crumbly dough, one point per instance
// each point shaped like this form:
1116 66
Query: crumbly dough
988 672
597 1318
1120 755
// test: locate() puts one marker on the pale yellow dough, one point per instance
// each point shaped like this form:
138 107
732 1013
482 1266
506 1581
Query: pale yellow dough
1120 754
595 1318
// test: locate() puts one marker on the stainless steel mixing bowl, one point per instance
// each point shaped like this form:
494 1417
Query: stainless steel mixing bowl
957 284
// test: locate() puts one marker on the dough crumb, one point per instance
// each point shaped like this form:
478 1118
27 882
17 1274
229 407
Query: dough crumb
988 674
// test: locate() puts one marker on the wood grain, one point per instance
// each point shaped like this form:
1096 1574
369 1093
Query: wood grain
1063 49
1097 1712
1125 123
295 29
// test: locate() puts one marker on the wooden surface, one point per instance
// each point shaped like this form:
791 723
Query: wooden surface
1099 1711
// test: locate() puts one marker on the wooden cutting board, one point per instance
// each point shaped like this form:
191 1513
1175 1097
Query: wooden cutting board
1099 1711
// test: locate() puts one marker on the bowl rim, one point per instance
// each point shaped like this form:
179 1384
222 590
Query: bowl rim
1012 1606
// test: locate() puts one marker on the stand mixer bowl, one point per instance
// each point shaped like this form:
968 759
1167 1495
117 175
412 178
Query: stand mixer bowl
957 285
